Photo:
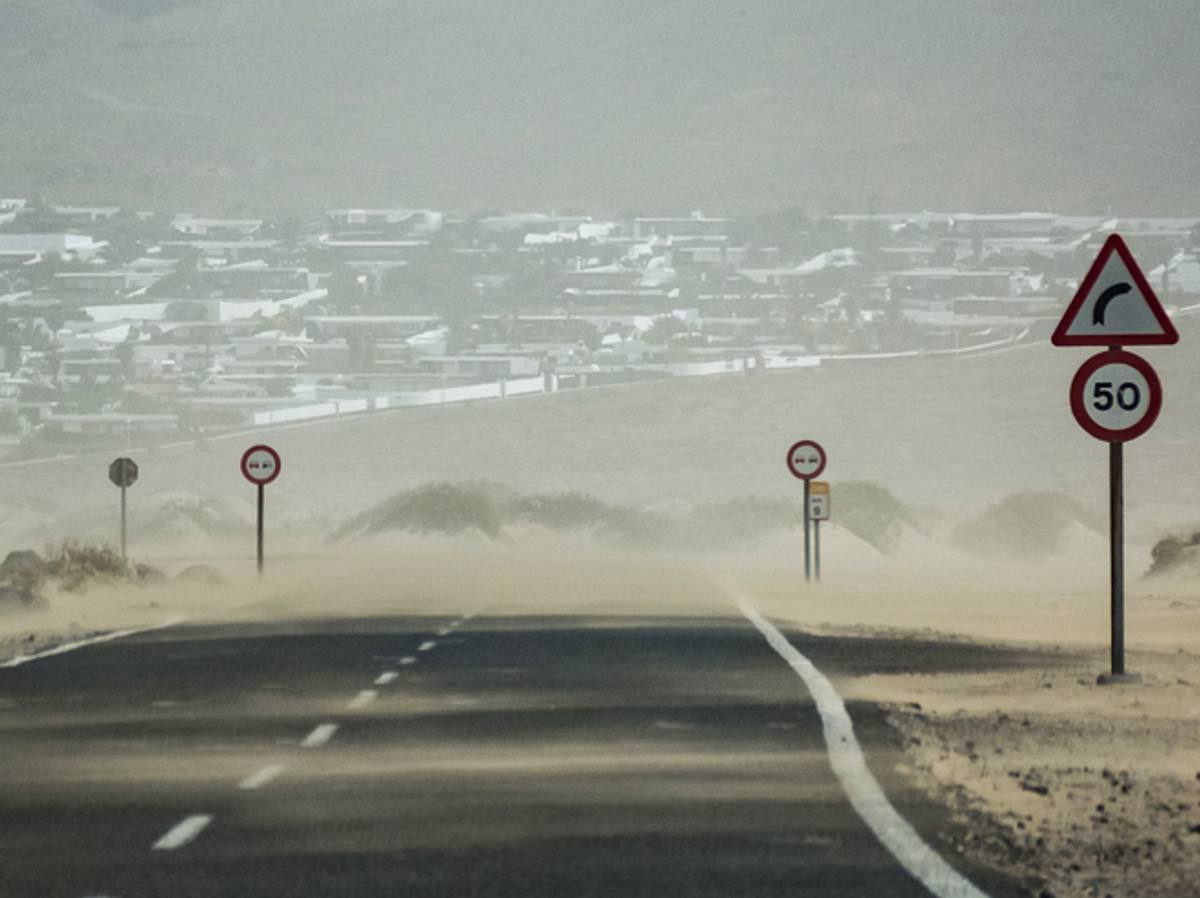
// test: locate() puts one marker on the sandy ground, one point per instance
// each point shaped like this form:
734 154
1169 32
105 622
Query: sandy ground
1085 790
1080 788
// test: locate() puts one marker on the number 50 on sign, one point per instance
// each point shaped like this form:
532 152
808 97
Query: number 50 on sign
1116 396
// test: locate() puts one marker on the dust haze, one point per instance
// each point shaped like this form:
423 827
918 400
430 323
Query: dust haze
532 299
964 481
224 106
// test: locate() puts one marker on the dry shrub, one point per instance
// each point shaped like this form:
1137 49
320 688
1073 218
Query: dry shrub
76 565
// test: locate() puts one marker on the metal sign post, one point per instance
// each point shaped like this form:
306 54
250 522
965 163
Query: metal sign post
1116 396
817 549
123 472
260 465
806 460
807 530
1116 555
262 491
818 506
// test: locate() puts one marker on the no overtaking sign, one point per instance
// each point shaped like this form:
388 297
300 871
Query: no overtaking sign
260 464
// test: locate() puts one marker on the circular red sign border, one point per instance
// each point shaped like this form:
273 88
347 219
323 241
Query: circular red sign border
1078 400
820 451
271 452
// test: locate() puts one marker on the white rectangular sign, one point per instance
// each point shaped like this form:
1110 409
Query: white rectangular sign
818 501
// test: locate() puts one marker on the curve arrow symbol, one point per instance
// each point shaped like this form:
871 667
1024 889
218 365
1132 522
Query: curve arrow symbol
1101 307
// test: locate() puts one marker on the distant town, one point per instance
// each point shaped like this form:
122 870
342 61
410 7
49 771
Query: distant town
126 328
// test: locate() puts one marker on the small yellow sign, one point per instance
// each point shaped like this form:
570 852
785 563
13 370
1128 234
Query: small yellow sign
819 504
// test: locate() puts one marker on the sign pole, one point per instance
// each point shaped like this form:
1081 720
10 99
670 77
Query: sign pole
807 513
1116 522
261 495
817 549
124 557
806 460
123 472
1116 396
260 465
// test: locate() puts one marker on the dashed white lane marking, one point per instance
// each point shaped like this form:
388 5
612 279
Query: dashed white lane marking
384 678
445 631
363 699
866 795
260 778
319 736
426 646
183 832
407 660
84 643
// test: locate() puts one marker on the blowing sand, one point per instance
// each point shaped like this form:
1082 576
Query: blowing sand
1084 790
1080 789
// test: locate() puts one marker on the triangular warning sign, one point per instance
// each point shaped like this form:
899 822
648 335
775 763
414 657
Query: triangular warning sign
1114 305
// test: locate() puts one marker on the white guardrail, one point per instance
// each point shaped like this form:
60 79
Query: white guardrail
527 386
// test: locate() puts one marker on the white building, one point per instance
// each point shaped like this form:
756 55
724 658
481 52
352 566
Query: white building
1182 274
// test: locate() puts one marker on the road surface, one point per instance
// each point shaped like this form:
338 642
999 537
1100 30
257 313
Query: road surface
448 756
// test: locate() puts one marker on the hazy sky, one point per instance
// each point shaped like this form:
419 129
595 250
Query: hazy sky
678 104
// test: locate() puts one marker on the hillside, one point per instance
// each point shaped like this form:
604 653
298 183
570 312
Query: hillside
287 105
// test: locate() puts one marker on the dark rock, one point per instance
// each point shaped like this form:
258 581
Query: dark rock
22 574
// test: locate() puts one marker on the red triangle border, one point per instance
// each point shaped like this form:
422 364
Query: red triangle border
1115 243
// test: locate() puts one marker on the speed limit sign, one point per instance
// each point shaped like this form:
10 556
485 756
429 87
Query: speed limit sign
1116 396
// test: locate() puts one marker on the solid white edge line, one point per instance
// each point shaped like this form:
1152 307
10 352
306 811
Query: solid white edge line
183 832
319 736
84 643
363 699
866 795
260 778
387 677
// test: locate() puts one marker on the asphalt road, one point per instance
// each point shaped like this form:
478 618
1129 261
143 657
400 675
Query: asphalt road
448 757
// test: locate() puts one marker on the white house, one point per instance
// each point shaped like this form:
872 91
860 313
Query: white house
1183 274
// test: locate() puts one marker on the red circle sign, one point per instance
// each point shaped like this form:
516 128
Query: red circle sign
806 459
260 464
1116 396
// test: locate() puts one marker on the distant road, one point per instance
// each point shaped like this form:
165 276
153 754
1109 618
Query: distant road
255 432
448 756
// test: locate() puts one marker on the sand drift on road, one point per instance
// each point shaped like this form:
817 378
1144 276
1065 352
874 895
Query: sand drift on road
1020 753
